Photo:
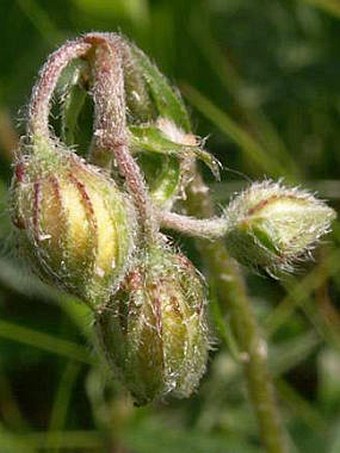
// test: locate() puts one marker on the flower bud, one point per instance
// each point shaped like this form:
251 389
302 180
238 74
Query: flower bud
154 331
271 226
73 223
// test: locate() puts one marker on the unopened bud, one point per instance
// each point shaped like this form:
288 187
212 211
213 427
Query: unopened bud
154 332
271 226
73 223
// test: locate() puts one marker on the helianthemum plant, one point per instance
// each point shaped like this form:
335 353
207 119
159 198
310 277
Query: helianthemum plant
90 222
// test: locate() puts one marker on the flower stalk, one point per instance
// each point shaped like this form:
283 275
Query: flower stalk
231 292
211 228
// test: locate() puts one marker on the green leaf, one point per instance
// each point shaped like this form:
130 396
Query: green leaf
166 98
151 138
163 176
44 341
73 95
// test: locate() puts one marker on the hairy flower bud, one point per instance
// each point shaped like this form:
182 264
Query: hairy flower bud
73 222
154 331
271 226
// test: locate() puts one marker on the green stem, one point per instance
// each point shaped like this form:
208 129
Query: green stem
232 295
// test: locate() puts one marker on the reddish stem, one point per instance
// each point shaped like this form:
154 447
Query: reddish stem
38 115
110 141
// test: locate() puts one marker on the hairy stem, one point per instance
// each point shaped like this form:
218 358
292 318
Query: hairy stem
110 143
39 110
212 228
232 295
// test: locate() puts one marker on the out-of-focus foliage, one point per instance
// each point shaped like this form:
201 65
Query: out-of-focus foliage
262 79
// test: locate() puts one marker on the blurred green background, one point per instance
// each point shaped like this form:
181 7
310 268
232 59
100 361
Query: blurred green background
262 82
